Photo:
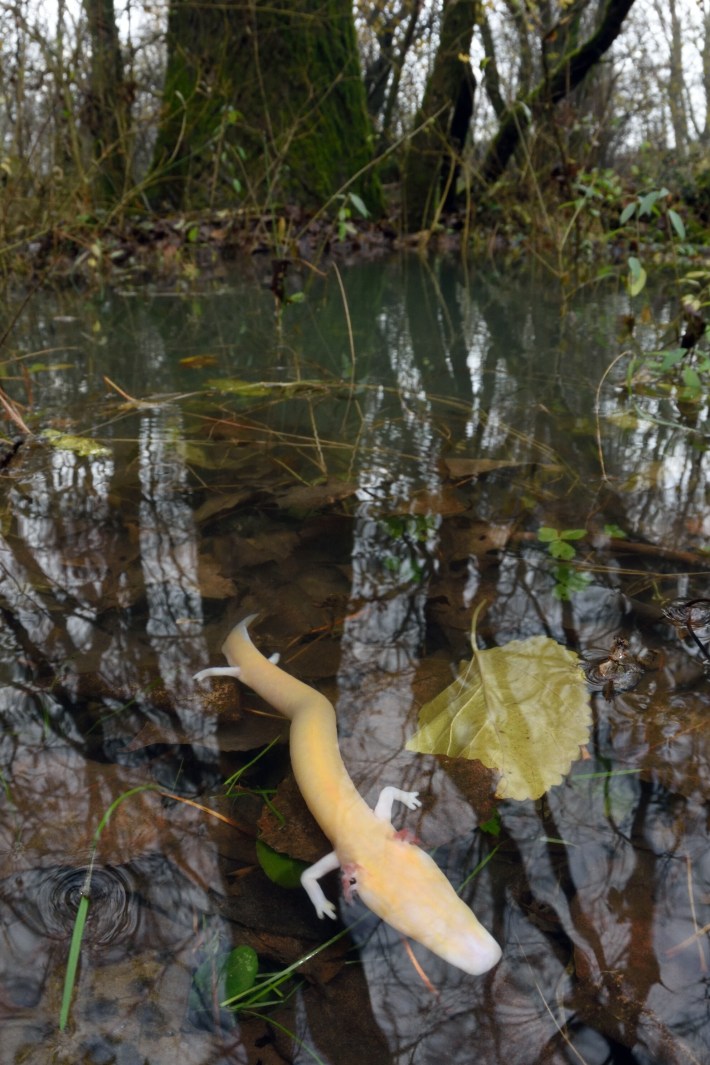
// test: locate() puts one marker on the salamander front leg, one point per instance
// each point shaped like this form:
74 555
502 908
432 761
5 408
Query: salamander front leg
227 671
218 671
310 878
387 799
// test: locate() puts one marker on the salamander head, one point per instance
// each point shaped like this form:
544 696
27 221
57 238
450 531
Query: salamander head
468 945
409 891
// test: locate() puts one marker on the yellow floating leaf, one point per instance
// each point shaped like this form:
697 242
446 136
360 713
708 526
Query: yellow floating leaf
522 709
199 362
80 445
236 387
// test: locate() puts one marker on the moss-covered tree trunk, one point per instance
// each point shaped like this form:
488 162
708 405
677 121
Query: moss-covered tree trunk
441 122
263 104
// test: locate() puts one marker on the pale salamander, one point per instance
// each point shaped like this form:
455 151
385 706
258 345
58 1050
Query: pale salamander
395 878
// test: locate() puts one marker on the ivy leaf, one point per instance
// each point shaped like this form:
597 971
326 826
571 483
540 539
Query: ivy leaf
284 871
677 223
560 549
223 977
637 276
359 204
521 709
627 212
238 970
546 534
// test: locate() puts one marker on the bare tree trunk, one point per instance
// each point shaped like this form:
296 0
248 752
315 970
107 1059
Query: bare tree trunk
563 78
491 77
677 94
107 106
398 65
520 21
705 56
434 150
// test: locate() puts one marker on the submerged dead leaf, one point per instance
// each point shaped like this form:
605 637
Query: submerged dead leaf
293 830
317 496
445 502
212 584
222 504
462 467
461 539
522 709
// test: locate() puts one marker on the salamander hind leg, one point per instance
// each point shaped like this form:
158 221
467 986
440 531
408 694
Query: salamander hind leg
387 799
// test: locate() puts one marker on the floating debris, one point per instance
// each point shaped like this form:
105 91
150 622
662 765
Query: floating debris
619 671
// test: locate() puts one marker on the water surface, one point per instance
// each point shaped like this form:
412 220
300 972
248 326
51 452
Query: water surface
362 476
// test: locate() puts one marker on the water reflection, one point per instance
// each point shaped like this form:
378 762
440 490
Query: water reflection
368 515
168 555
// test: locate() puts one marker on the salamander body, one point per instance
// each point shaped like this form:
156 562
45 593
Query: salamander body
396 879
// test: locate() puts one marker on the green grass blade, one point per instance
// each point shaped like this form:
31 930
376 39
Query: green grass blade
73 962
83 910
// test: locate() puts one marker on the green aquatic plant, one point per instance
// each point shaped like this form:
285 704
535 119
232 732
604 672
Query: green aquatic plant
347 201
223 976
646 208
85 900
232 980
408 535
568 580
680 372
558 541
267 988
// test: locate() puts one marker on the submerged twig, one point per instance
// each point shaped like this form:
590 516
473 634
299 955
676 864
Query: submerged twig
351 340
597 399
419 970
688 942
698 932
13 413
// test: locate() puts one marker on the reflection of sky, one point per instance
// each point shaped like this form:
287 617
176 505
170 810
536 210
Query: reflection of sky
168 543
389 633
60 571
383 638
75 611
60 515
